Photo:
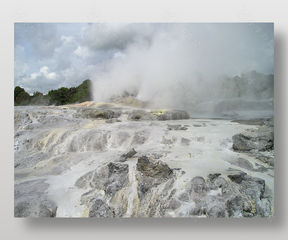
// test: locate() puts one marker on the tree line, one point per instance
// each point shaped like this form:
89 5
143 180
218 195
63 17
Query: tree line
57 97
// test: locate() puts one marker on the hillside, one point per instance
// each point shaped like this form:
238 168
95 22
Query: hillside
61 96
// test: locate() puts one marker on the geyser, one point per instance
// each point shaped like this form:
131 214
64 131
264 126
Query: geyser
230 63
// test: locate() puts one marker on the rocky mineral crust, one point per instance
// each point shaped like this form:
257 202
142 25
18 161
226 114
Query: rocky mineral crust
102 160
259 142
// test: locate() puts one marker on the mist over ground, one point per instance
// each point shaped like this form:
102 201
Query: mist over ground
207 69
116 160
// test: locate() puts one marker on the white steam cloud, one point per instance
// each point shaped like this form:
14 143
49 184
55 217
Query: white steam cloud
178 65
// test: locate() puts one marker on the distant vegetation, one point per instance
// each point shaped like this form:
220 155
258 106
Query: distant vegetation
250 85
253 84
60 96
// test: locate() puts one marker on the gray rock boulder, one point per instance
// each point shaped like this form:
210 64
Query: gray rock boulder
243 163
96 113
250 200
117 178
166 141
99 178
31 202
35 209
100 209
110 178
163 115
197 211
151 173
83 182
127 155
140 137
244 196
261 140
185 141
198 189
215 212
141 115
155 169
259 143
238 178
176 127
173 204
266 159
213 176
184 196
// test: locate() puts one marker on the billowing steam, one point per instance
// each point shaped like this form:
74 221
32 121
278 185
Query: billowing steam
190 66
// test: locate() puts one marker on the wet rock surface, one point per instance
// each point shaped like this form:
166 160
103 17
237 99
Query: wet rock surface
240 196
141 115
176 127
151 174
109 178
185 142
127 155
97 113
171 114
161 115
243 197
251 202
91 162
30 201
106 182
266 159
259 142
245 164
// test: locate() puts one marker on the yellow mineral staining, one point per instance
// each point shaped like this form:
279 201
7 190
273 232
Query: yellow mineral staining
103 104
188 156
158 112
50 138
272 211
85 213
185 184
136 204
94 124
121 197
253 211
253 206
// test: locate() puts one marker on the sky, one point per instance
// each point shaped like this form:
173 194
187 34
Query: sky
142 57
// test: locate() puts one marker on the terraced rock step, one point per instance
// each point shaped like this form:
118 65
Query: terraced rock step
108 161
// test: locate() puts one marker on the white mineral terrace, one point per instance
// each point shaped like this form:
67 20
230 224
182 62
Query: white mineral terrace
54 146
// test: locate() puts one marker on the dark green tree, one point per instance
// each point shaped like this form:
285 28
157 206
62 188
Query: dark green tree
21 97
57 97
83 92
39 99
17 91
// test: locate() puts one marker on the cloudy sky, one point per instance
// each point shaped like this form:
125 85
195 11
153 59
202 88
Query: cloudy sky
145 56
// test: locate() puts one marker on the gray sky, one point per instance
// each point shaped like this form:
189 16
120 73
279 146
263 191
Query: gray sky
141 55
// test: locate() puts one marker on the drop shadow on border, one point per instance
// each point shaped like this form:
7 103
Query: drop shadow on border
256 224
